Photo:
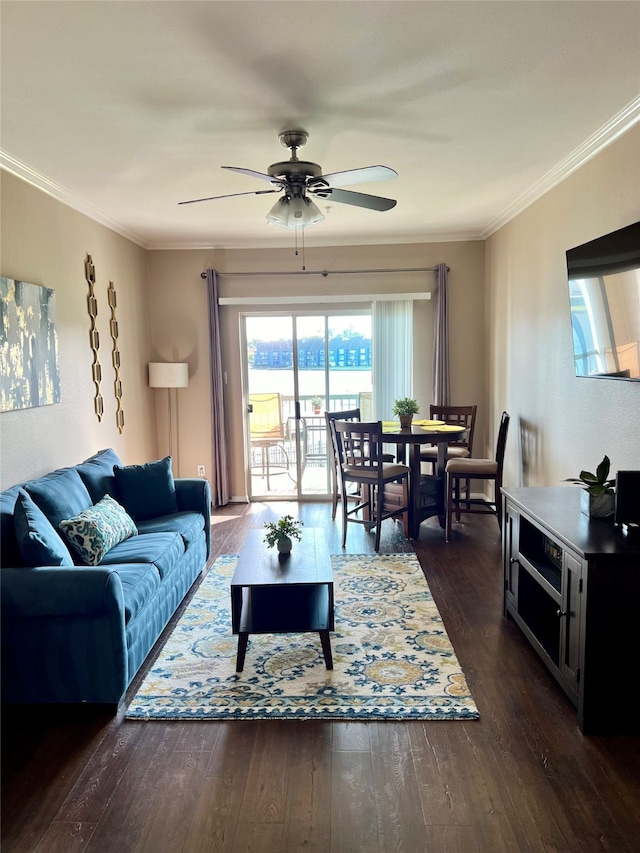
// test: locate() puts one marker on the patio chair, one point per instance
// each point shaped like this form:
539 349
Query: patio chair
267 435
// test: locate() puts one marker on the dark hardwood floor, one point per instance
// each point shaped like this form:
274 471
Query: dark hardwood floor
522 778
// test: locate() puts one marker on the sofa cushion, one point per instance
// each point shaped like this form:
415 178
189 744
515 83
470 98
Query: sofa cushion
162 549
96 473
139 583
95 531
39 543
9 552
60 494
188 524
146 491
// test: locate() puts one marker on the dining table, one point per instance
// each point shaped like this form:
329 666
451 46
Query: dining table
409 442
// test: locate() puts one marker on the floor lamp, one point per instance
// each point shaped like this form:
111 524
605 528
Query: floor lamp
169 375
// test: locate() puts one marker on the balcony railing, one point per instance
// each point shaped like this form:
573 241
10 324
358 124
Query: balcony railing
337 403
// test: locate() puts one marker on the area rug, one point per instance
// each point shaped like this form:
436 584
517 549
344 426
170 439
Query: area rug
392 657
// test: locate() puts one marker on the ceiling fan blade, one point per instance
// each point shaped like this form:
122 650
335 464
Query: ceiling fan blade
252 174
373 202
360 176
229 195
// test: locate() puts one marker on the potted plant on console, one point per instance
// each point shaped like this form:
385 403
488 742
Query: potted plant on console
405 408
598 497
280 533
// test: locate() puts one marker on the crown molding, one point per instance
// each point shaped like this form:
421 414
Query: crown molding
619 125
316 241
41 182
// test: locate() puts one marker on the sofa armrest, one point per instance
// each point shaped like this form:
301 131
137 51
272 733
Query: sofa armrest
31 593
194 495
63 635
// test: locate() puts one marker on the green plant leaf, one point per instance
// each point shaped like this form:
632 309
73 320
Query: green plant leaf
597 490
405 406
596 484
285 526
602 471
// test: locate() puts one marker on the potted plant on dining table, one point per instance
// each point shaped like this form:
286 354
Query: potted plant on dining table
405 408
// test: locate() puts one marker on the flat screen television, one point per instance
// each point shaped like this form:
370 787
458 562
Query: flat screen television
604 294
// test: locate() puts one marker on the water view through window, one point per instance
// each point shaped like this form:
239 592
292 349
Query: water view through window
323 363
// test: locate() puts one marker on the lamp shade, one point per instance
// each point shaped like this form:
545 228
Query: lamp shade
167 374
294 212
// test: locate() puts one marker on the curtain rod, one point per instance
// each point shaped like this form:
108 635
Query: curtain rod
325 273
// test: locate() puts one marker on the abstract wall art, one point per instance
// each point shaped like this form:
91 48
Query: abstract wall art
29 369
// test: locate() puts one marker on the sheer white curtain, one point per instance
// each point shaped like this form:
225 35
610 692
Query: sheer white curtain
392 354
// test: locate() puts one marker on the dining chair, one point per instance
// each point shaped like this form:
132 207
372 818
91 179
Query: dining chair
331 418
468 468
336 494
267 434
460 416
360 455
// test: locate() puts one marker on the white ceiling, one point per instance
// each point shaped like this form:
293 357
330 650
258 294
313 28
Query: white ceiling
123 109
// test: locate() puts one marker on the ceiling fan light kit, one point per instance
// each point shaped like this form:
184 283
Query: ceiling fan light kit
297 212
300 179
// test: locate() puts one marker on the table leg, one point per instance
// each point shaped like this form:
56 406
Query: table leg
414 491
326 649
243 639
441 465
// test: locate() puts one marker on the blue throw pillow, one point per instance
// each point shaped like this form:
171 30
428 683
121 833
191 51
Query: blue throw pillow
38 541
147 491
96 473
59 494
96 530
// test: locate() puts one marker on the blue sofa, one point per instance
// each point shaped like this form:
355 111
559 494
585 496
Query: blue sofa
80 613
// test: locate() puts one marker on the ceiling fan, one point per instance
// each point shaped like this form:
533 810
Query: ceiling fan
301 181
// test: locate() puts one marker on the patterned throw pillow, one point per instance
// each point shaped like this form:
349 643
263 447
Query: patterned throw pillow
96 530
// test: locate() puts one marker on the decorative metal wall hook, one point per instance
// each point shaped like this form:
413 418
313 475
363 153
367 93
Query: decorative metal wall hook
115 357
94 335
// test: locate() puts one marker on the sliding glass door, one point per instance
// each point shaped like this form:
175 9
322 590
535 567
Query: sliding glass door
297 366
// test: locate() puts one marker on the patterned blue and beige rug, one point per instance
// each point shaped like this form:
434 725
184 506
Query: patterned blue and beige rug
392 657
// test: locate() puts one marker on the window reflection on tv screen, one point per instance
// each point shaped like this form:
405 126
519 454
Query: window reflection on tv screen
604 294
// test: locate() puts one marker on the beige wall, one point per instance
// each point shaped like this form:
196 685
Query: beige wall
560 424
179 317
45 242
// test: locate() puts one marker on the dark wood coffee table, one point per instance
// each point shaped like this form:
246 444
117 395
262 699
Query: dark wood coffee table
274 594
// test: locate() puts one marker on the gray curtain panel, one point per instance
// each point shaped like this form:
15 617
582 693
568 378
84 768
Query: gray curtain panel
441 388
220 479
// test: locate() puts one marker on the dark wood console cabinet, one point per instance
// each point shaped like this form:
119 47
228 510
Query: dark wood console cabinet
572 584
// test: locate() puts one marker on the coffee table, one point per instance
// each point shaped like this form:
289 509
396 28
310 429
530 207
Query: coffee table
277 594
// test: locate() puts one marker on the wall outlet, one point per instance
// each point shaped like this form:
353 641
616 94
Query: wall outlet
201 471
